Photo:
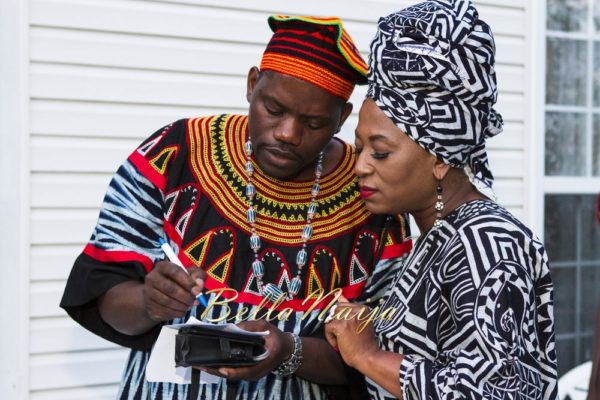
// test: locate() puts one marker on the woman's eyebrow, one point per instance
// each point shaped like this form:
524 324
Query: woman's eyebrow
378 137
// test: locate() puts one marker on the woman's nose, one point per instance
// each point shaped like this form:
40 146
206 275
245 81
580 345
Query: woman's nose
361 167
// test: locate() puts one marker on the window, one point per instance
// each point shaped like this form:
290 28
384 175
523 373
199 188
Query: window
571 181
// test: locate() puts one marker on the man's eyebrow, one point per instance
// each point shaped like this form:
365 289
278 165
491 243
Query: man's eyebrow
271 99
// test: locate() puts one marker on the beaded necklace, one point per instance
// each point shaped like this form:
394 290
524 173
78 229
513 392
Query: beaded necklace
270 290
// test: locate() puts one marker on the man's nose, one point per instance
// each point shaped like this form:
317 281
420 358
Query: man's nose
289 131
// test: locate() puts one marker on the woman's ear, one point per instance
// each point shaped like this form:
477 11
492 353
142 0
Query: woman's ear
440 170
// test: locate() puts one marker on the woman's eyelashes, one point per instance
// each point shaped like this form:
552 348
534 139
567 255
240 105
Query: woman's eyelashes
377 155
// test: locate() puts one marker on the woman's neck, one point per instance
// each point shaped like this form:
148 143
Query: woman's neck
453 197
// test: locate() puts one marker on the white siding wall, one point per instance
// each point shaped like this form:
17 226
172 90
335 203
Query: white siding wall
106 73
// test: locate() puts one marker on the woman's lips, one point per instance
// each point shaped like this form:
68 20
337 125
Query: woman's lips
367 192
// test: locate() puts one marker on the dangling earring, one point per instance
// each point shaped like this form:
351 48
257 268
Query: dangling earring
439 206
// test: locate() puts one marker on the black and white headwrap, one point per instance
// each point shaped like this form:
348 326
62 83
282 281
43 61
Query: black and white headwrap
431 71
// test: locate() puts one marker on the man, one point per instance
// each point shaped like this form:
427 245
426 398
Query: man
265 205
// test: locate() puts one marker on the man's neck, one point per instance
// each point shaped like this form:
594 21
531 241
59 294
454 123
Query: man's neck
332 155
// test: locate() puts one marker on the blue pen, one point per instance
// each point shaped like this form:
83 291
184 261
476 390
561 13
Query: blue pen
175 260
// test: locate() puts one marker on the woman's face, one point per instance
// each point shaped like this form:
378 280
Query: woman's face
395 174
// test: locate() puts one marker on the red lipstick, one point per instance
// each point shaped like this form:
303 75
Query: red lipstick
366 191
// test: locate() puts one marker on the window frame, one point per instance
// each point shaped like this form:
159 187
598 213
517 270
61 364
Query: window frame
561 185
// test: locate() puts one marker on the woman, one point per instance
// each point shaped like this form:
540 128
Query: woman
470 315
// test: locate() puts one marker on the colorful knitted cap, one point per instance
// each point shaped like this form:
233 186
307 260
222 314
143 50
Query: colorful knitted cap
317 50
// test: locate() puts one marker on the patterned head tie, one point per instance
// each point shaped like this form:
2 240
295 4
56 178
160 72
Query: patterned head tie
431 71
316 50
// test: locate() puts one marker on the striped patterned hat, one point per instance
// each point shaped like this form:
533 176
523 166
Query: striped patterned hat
317 50
431 71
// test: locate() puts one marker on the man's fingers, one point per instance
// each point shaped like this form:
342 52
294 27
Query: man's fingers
330 335
171 296
212 371
255 325
176 274
174 291
199 276
197 273
162 312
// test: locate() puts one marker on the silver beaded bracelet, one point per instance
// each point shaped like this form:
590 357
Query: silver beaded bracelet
289 366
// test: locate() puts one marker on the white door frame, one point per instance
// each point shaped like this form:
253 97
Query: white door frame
14 199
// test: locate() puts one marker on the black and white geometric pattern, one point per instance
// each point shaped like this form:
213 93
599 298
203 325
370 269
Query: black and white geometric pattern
474 315
431 71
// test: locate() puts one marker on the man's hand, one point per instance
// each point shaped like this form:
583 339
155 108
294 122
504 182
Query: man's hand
133 307
169 292
279 344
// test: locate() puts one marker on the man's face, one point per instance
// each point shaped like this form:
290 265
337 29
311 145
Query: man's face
290 121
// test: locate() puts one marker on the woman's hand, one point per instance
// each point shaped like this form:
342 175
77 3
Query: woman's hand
351 333
279 344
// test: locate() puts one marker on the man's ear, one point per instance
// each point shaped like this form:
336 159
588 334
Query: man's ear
251 82
440 170
346 110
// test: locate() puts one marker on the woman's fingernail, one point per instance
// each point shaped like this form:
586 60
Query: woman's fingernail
200 282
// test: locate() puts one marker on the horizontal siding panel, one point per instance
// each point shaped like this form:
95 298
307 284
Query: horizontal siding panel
126 86
54 335
510 50
506 164
510 192
62 371
140 52
75 191
511 78
503 21
96 392
88 119
57 154
511 137
353 9
150 18
361 10
504 3
70 226
512 107
168 20
53 262
45 299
